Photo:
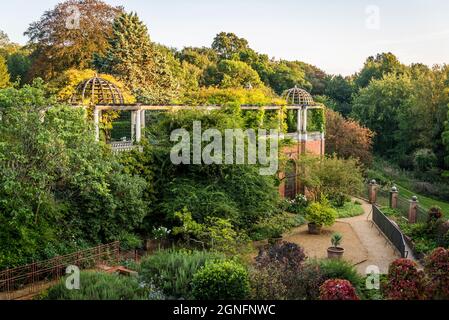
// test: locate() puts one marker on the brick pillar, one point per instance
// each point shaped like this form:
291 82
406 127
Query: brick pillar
372 192
413 210
394 197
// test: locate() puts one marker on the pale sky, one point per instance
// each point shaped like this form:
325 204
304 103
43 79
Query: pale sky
335 35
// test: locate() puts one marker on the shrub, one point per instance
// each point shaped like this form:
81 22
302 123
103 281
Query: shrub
266 284
288 255
424 160
437 269
405 282
298 204
224 280
434 213
99 286
275 226
172 270
322 214
339 269
305 284
337 289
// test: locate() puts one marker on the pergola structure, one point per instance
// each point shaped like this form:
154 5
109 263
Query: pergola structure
105 96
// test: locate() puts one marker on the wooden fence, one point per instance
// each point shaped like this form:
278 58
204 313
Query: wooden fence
30 279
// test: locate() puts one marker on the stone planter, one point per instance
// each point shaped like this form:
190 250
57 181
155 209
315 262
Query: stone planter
335 253
314 228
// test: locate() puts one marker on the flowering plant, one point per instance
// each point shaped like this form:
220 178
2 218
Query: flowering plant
337 289
161 233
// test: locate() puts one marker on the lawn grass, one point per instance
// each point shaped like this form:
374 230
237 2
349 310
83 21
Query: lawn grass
425 202
350 209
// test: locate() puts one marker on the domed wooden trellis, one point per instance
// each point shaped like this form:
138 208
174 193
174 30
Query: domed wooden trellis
298 97
99 92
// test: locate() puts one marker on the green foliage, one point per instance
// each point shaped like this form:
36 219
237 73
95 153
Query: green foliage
172 271
379 106
232 74
322 214
225 280
99 286
336 239
19 64
57 185
349 209
376 67
4 74
275 226
331 177
340 269
424 160
135 60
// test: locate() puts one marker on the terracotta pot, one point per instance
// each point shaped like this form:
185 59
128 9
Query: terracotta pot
335 252
314 228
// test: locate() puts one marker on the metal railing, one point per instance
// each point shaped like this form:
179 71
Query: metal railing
390 230
32 278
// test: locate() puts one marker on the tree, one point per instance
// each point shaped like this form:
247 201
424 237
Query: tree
379 106
59 189
228 44
19 64
232 74
340 90
136 61
378 66
286 75
347 138
4 75
4 39
68 36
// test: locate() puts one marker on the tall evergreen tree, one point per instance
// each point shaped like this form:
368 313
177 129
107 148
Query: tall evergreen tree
138 62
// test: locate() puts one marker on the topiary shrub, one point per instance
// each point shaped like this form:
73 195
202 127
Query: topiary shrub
101 286
437 269
172 271
405 281
337 289
224 280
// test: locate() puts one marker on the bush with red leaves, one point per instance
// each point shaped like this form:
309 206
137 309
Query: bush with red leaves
405 281
337 289
437 269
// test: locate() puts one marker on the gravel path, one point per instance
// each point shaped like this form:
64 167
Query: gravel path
380 252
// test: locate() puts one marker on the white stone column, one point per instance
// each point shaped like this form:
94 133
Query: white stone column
299 124
133 125
304 124
142 118
97 123
138 126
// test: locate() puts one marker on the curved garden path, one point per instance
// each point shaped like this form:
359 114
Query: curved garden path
380 252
